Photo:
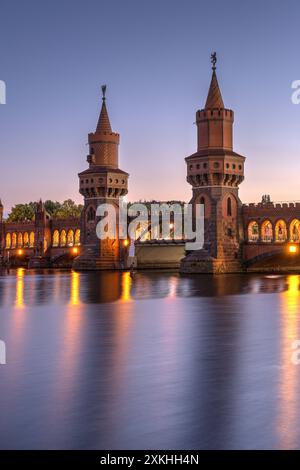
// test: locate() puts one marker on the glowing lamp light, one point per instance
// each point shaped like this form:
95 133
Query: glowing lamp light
126 242
292 249
20 252
171 225
75 250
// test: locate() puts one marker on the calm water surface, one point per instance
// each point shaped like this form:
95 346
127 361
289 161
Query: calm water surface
100 360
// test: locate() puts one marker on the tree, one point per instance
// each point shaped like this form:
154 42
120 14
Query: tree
52 207
68 209
22 212
26 212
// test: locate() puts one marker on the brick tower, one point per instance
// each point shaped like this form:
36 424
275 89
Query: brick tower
102 182
215 172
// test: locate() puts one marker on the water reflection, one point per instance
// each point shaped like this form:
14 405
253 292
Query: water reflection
160 360
25 288
20 288
75 289
289 377
126 287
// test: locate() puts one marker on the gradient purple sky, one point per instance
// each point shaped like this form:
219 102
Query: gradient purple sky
154 57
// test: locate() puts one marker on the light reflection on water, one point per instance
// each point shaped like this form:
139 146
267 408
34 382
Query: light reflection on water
289 379
157 360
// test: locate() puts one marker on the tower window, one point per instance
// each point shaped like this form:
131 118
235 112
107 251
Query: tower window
197 166
91 214
191 167
204 165
227 165
240 167
229 208
216 165
233 166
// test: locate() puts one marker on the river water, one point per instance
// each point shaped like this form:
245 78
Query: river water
104 361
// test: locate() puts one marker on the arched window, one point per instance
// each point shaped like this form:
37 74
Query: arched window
63 238
8 241
14 240
31 239
77 236
280 231
70 238
295 231
253 231
229 208
55 238
20 239
91 214
26 239
267 231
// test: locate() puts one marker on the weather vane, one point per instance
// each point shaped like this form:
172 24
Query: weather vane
103 92
213 59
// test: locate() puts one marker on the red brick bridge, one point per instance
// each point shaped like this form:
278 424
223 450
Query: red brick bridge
271 234
57 241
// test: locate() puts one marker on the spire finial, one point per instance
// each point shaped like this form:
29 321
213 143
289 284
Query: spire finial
103 88
213 59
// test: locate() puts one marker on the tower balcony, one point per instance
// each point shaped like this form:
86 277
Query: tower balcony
215 167
100 182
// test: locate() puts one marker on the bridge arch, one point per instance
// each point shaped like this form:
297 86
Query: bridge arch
267 231
280 231
26 239
20 239
31 239
70 237
295 230
77 237
253 231
55 238
14 240
63 238
8 241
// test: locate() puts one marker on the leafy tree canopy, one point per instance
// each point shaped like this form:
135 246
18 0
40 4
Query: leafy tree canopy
26 212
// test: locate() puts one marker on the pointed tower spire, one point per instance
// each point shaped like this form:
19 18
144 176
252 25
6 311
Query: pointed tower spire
214 97
103 121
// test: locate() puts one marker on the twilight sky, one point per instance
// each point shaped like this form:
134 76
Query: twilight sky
154 57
